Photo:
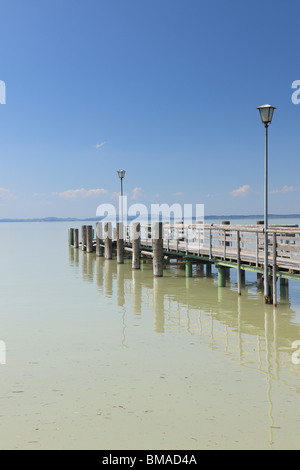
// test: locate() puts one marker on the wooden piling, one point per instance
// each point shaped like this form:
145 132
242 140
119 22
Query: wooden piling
200 268
157 239
71 236
108 240
260 280
136 242
89 239
76 238
120 243
83 237
99 239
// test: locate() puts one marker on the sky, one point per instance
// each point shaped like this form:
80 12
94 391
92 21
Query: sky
165 89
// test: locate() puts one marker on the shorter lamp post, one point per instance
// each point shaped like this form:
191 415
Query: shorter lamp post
121 174
266 114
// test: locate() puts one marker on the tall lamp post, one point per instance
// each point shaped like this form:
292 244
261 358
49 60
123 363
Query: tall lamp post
121 174
266 114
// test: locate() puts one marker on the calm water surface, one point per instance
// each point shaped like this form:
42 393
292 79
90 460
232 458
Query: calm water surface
101 357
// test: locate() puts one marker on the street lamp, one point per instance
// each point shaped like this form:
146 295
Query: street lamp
121 174
266 114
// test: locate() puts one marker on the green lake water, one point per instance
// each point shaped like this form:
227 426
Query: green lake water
102 357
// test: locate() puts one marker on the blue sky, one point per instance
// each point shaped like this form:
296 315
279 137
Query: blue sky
166 89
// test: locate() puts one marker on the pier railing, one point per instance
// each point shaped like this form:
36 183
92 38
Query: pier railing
231 243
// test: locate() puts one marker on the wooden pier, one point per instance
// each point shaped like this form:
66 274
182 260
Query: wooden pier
225 246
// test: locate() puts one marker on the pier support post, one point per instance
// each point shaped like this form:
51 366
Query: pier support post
71 236
89 239
136 242
76 238
221 276
284 289
83 237
200 268
157 240
108 240
99 239
208 269
120 243
188 269
260 280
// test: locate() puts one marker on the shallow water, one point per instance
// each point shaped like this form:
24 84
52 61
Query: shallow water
102 357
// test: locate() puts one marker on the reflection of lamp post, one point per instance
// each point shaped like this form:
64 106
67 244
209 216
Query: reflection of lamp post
266 114
121 174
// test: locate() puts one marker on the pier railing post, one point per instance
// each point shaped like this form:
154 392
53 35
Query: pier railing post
136 242
108 240
120 243
210 244
157 240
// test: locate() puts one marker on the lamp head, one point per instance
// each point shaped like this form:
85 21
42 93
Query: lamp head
121 173
266 113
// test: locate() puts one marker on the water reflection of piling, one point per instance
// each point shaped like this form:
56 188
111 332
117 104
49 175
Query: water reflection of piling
137 291
158 306
108 279
120 285
88 267
99 268
71 255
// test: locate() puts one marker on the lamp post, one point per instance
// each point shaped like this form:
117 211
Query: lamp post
121 174
266 114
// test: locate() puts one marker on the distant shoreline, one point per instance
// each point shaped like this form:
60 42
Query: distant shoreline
207 217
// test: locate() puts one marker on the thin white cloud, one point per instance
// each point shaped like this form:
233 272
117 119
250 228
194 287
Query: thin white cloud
178 194
80 193
240 192
98 146
136 193
6 194
284 189
115 195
